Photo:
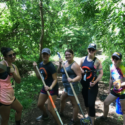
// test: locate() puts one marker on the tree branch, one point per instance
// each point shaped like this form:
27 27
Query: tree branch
2 11
42 28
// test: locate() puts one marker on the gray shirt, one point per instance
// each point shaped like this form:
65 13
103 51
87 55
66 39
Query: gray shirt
71 74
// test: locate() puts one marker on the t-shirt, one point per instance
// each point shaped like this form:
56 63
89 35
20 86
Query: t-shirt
47 70
116 74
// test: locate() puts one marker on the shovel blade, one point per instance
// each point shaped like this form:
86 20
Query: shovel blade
85 121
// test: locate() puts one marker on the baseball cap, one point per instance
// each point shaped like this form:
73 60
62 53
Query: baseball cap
46 50
92 45
117 54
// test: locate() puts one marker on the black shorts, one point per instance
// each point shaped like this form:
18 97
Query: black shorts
117 95
52 92
6 105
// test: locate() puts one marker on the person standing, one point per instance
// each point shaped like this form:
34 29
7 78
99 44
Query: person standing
7 99
50 76
116 79
90 80
73 70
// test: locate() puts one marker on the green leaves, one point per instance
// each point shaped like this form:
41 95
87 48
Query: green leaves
67 24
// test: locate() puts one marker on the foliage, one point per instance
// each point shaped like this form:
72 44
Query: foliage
67 24
26 93
106 69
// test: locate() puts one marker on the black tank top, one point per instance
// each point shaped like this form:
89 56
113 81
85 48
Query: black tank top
88 66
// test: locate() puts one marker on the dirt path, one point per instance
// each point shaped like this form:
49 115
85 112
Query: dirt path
112 120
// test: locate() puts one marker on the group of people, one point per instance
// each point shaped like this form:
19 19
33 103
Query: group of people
85 74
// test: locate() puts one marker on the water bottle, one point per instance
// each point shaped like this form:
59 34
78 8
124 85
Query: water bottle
118 107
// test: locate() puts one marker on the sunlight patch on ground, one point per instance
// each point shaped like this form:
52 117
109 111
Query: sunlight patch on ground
60 91
80 116
68 102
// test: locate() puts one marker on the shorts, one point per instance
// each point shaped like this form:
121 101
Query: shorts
117 95
69 91
52 92
6 105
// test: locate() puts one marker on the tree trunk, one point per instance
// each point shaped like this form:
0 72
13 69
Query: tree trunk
42 29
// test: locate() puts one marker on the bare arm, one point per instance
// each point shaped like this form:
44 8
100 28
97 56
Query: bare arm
123 82
54 76
3 63
81 62
35 70
54 80
99 66
16 74
76 68
14 70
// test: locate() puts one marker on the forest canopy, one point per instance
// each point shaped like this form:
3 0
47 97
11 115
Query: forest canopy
29 25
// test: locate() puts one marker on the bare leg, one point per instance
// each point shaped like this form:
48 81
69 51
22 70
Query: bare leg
52 111
110 98
123 110
18 108
41 101
5 113
64 96
75 107
92 120
87 110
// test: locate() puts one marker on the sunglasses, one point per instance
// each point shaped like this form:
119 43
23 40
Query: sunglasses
91 50
115 58
67 55
14 54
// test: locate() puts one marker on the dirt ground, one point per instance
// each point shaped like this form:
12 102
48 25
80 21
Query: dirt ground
112 117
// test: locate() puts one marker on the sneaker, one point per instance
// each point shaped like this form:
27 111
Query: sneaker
42 117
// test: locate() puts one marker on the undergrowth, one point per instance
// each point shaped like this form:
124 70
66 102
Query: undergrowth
26 92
